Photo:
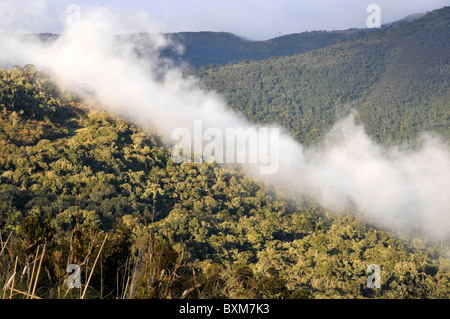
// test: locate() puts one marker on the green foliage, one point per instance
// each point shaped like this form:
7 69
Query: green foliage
36 230
219 48
396 78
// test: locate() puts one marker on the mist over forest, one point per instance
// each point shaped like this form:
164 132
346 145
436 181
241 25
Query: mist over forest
87 171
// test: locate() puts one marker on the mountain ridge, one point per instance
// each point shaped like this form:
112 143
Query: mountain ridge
203 48
396 78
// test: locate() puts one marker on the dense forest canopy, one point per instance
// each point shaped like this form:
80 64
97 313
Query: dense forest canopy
82 186
70 176
396 78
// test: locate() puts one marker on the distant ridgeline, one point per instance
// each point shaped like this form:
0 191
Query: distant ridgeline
397 78
205 48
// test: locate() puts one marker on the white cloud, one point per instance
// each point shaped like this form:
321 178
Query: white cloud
21 16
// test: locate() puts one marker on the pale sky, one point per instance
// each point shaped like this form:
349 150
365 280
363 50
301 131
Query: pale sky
253 19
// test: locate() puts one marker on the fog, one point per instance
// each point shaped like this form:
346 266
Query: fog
400 189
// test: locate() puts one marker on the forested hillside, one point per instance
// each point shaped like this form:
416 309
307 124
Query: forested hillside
84 187
205 48
397 78
219 48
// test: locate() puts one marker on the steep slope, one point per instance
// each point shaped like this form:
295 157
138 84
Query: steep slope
69 176
397 78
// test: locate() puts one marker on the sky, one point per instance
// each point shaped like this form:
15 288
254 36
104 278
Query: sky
251 19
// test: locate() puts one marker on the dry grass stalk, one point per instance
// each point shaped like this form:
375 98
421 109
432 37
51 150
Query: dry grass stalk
126 288
32 271
5 287
4 244
14 277
133 279
38 271
93 267
24 293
